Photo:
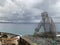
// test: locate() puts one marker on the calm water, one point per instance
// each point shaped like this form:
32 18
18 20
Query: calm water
23 29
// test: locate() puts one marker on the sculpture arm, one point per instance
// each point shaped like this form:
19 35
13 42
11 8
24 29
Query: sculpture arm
38 27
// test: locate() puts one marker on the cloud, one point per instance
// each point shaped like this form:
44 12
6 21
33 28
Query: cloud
2 2
28 10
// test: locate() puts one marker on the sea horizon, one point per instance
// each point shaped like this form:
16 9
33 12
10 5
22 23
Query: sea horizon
22 28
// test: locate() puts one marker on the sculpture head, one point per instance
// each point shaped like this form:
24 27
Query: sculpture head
44 15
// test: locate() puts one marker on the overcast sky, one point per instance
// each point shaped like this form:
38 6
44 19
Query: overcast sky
28 10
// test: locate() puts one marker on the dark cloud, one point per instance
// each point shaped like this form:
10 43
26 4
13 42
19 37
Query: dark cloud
27 11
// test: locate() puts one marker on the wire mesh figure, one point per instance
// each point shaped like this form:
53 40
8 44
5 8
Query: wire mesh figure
48 25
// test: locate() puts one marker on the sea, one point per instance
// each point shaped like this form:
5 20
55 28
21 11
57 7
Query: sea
22 28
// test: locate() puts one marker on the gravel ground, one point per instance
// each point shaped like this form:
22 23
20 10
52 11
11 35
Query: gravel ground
38 40
43 41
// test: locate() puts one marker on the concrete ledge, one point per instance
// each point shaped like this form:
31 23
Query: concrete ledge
27 41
